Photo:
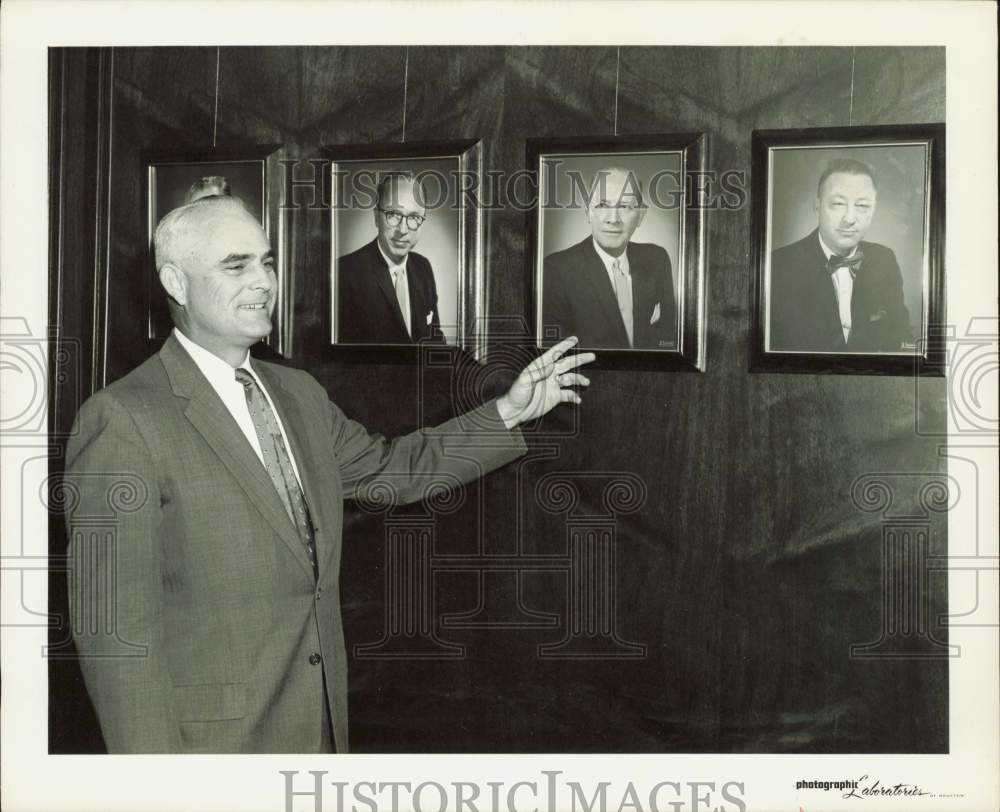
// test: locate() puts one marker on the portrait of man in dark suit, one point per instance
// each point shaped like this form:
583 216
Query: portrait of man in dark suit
211 622
611 292
832 291
386 290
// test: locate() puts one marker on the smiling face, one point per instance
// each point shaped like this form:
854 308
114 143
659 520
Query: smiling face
615 209
845 207
400 198
221 273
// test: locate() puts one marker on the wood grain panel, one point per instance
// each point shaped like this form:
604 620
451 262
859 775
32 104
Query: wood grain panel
748 572
899 85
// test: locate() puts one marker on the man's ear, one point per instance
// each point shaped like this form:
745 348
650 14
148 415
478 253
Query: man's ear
174 282
816 205
642 216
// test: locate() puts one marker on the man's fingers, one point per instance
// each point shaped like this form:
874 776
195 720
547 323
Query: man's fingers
538 371
573 361
556 352
573 379
552 360
569 396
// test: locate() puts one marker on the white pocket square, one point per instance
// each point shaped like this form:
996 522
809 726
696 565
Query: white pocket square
430 316
656 314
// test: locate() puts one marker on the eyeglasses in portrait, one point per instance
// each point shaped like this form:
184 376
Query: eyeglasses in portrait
617 247
405 250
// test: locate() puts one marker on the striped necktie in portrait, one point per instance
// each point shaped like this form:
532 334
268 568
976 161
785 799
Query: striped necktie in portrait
623 292
402 289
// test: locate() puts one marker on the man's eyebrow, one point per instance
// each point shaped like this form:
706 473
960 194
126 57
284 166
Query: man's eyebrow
622 200
244 257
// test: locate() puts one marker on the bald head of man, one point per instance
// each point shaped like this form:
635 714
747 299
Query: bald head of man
615 209
217 267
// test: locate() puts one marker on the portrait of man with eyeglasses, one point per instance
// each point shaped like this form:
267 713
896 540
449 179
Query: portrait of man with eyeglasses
387 293
609 291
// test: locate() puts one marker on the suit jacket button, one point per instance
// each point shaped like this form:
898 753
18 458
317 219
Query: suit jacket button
315 659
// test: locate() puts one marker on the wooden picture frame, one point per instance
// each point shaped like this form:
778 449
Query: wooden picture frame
570 285
886 315
251 174
444 254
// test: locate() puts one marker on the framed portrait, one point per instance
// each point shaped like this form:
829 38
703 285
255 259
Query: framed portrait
406 266
252 175
848 231
616 242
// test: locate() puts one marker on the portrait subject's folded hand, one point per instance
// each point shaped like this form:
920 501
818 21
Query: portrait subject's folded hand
540 386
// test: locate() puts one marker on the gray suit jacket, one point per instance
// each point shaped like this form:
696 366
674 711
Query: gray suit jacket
196 614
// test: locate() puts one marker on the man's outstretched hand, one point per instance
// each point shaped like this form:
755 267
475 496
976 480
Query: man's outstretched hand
539 387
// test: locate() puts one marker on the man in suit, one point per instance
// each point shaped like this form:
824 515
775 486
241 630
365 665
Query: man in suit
206 518
831 291
386 290
608 291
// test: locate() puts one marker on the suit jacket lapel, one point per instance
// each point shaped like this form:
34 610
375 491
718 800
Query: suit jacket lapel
825 293
419 300
863 300
604 293
643 294
213 421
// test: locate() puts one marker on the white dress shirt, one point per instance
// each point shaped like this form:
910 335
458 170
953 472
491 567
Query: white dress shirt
609 262
621 277
401 284
843 286
222 378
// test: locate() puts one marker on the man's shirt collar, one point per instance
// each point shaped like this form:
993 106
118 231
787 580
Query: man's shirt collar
389 263
827 252
609 260
211 366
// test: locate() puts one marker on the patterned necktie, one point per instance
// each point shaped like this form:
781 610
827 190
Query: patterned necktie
402 294
623 292
853 262
277 463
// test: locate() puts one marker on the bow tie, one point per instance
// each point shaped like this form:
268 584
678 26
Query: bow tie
835 262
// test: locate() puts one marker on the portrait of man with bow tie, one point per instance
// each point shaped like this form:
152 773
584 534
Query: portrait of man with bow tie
832 291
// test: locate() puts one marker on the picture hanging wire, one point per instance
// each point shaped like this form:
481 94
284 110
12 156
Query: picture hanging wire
215 116
406 78
850 112
618 65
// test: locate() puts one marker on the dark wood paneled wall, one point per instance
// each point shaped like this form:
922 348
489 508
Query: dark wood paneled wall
748 572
